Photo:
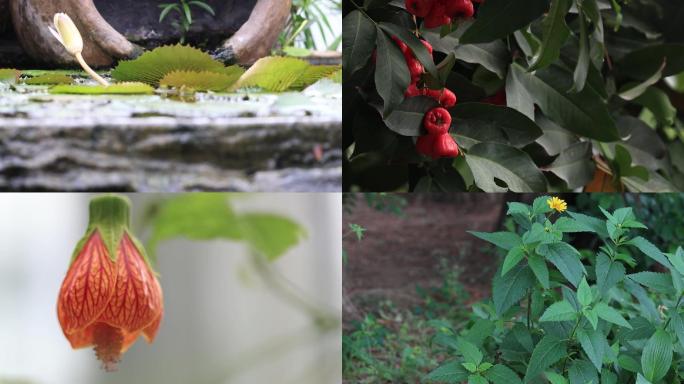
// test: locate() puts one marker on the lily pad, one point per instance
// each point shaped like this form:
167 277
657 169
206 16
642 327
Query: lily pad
52 79
9 75
204 80
114 89
275 74
152 66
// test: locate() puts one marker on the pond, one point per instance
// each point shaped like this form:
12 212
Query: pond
244 141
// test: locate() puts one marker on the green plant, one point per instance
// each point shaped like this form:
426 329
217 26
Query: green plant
184 11
553 95
558 317
298 38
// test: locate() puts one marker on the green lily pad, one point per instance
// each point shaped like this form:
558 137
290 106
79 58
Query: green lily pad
204 80
50 79
114 89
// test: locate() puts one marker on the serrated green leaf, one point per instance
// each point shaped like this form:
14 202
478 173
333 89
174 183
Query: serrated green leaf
314 73
584 295
507 291
501 374
152 66
541 271
449 372
114 89
566 259
660 282
274 74
470 352
594 344
559 311
582 372
650 250
549 350
656 357
505 240
514 256
202 81
611 315
608 273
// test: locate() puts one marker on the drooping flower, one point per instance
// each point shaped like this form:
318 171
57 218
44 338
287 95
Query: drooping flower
110 294
558 204
67 33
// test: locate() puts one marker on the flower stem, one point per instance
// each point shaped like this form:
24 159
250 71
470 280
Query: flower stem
90 71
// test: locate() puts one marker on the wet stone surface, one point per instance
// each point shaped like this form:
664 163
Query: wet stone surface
236 142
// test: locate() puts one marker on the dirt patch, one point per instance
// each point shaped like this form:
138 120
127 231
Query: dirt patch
400 252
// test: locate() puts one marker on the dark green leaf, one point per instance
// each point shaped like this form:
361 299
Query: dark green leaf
494 56
549 350
556 31
478 119
507 291
656 357
418 49
407 118
490 161
566 259
499 18
575 165
501 374
358 41
392 76
582 372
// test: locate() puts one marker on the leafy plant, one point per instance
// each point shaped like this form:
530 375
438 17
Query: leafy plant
297 39
278 74
184 11
553 95
131 88
50 79
203 81
558 317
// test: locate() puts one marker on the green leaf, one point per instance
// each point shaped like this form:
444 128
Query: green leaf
642 63
312 74
584 295
114 89
477 121
419 51
9 75
501 374
567 225
493 56
507 291
559 311
275 74
499 18
50 79
584 59
611 315
512 259
658 102
449 372
358 41
656 357
574 165
470 352
201 81
152 66
659 282
608 273
592 317
490 161
270 235
555 378
650 250
677 324
677 260
566 259
392 76
556 31
582 372
505 240
593 343
541 271
583 113
591 223
204 6
407 118
477 379
632 91
471 367
548 351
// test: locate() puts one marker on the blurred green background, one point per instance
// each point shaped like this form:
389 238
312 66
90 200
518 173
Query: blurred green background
230 315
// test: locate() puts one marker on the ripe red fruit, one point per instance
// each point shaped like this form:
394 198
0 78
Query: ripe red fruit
416 69
460 9
437 121
437 16
412 91
424 144
448 98
419 8
445 146
427 46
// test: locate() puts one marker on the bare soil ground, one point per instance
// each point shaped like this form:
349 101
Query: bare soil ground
398 253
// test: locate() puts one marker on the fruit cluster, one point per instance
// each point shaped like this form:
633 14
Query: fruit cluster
436 13
437 143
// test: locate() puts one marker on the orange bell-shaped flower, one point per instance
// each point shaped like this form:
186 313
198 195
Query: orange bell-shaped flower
110 294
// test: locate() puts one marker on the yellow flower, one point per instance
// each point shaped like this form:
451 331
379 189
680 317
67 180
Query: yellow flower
557 204
67 33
